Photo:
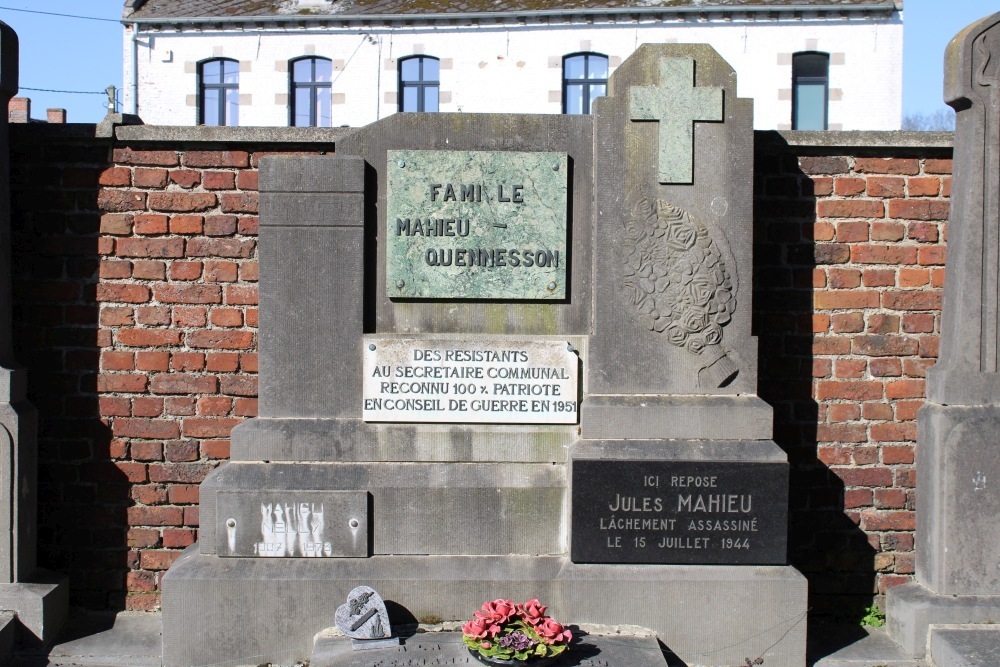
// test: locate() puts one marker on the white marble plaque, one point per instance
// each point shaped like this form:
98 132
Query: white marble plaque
292 524
455 380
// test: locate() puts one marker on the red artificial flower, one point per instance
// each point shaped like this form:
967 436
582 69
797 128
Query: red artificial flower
498 612
553 632
532 611
478 628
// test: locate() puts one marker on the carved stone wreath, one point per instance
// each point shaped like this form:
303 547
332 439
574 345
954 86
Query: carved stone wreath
674 273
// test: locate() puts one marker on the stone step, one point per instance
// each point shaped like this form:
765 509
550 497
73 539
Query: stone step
446 648
875 648
965 646
8 633
218 609
94 639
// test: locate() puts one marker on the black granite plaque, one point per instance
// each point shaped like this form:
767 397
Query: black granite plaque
692 512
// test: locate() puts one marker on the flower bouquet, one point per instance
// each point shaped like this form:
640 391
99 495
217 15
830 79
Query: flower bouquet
502 633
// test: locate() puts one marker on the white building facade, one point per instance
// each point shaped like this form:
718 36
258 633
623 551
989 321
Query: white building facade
344 62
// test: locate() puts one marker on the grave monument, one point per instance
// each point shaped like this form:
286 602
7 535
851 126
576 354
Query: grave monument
37 598
508 356
957 564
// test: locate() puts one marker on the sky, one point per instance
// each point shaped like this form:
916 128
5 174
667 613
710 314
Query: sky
73 54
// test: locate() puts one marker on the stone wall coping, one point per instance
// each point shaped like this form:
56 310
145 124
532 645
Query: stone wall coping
859 138
870 139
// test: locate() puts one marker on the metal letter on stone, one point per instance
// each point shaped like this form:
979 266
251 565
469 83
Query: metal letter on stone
677 105
297 524
476 225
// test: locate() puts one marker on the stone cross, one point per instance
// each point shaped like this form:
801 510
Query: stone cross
677 105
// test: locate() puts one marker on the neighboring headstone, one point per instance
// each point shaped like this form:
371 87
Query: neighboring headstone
365 620
38 597
471 318
957 561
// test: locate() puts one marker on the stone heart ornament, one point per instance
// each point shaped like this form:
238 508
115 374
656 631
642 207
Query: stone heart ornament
364 617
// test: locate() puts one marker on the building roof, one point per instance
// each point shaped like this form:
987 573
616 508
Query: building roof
185 10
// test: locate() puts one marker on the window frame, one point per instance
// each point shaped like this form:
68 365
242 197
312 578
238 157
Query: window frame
314 87
222 87
587 83
798 80
421 85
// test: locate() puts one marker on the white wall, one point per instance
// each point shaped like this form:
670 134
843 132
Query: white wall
517 68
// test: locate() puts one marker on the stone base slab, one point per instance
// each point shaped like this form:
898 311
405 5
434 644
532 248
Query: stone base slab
41 605
913 609
264 609
263 439
966 646
656 417
447 648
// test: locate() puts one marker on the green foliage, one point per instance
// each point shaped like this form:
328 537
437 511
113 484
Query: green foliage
874 617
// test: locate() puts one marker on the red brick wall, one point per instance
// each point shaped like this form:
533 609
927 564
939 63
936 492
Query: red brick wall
136 299
135 288
177 293
850 268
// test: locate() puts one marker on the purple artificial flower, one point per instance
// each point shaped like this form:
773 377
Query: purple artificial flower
517 641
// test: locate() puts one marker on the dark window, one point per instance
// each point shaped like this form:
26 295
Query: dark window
311 93
585 78
810 90
219 92
419 81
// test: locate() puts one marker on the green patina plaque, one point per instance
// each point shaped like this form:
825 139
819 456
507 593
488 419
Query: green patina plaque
476 225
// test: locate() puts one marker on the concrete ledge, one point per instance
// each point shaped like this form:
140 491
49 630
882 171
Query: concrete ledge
629 417
227 135
859 139
966 646
912 610
327 136
41 605
100 639
269 609
758 451
263 439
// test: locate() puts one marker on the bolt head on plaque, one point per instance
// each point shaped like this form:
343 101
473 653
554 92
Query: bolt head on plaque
363 616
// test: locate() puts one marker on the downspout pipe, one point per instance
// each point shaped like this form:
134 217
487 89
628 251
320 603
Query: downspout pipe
135 69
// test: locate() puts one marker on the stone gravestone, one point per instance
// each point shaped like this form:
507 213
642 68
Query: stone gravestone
37 597
508 356
365 619
957 564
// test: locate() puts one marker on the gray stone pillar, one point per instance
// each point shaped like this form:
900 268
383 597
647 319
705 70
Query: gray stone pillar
958 467
39 599
312 253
